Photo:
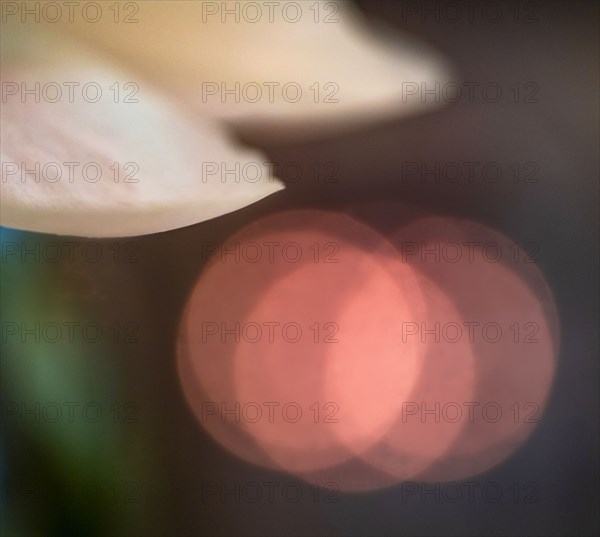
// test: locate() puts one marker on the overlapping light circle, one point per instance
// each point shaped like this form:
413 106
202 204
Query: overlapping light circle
313 344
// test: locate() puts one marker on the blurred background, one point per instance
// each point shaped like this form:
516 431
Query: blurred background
131 458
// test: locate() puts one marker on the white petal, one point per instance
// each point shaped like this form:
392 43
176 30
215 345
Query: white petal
368 71
169 154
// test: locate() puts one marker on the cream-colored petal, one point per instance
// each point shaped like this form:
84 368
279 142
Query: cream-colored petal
345 70
161 167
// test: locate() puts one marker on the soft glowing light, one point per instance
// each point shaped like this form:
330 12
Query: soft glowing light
367 364
511 333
